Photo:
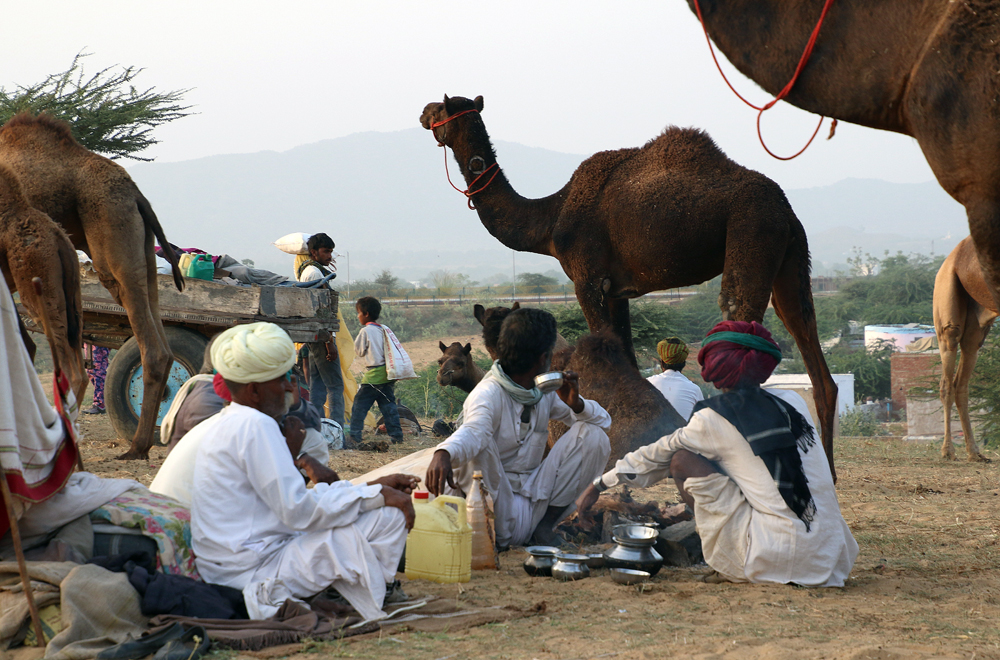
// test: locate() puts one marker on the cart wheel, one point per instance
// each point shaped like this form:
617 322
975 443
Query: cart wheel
123 384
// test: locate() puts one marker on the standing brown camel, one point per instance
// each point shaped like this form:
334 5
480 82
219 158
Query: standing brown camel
673 213
925 69
964 312
31 245
106 216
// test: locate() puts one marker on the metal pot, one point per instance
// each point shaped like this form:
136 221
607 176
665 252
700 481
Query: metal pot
540 560
634 549
570 567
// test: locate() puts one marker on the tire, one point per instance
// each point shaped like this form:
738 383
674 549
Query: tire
123 383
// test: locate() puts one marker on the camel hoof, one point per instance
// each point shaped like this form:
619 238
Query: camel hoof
133 456
979 458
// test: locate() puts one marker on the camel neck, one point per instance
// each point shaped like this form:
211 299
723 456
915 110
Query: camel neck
764 40
519 223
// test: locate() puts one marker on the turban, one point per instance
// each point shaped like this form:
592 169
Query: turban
672 351
736 352
253 353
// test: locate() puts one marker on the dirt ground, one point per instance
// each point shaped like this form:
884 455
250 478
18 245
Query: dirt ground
926 584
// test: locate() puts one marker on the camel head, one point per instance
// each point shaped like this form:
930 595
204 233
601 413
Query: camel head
454 363
435 113
491 319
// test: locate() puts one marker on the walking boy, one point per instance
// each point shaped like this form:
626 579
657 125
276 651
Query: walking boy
375 383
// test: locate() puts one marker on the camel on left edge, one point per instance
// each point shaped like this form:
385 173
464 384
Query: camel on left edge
31 245
105 215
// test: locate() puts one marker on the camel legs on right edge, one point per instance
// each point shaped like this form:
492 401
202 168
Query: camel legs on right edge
972 340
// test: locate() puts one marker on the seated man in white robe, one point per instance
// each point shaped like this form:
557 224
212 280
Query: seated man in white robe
255 526
504 434
675 387
749 465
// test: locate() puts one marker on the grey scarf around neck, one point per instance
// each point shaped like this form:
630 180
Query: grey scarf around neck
527 398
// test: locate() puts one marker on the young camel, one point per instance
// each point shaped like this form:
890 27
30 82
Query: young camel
104 214
964 312
673 213
31 245
457 368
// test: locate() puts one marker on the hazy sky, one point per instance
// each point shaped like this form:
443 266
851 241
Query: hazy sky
575 77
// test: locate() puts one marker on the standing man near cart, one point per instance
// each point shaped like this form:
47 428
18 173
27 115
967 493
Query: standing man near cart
326 382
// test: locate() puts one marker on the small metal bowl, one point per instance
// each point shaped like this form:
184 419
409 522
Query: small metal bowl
635 535
628 576
595 559
549 381
540 561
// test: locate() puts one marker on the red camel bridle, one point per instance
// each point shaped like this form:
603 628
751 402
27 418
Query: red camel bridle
468 192
785 90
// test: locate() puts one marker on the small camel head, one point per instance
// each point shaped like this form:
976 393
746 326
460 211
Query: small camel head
436 112
491 319
453 363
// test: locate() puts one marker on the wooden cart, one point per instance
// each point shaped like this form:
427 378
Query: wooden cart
191 318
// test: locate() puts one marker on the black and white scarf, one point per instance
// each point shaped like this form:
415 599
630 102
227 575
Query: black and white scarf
776 432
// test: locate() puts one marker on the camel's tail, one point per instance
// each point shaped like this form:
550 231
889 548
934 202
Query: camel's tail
793 302
74 311
149 217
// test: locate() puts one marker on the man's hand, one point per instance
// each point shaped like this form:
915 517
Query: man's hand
570 391
439 473
295 433
400 500
405 483
316 471
585 502
331 350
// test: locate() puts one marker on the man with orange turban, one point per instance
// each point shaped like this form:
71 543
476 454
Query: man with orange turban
749 466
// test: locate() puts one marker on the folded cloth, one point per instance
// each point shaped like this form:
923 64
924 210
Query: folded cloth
183 596
163 518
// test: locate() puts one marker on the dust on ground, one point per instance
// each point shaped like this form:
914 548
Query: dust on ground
926 584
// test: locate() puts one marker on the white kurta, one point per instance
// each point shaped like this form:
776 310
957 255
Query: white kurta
256 527
522 485
175 478
678 390
370 345
748 533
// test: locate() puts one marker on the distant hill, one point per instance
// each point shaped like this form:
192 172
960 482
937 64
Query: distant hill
384 198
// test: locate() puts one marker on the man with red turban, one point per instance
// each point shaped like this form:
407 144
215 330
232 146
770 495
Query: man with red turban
749 466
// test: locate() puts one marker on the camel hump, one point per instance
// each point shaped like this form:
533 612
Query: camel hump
42 124
691 146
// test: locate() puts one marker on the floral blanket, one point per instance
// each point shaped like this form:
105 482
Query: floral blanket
159 517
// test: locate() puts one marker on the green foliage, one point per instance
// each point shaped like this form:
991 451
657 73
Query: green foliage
984 392
387 281
901 291
534 282
858 422
106 113
426 398
871 368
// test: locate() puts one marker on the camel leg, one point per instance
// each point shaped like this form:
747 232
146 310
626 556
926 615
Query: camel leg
793 302
972 341
133 283
950 315
622 325
593 303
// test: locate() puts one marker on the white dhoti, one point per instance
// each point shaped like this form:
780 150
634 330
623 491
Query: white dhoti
357 560
722 518
520 500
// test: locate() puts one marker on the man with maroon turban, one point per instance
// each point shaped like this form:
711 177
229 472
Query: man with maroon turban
749 466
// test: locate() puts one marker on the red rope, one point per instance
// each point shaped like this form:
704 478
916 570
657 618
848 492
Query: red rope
468 192
785 90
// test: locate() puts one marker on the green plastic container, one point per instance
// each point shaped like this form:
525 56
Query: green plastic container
201 267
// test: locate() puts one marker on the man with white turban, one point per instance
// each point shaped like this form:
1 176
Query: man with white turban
255 526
